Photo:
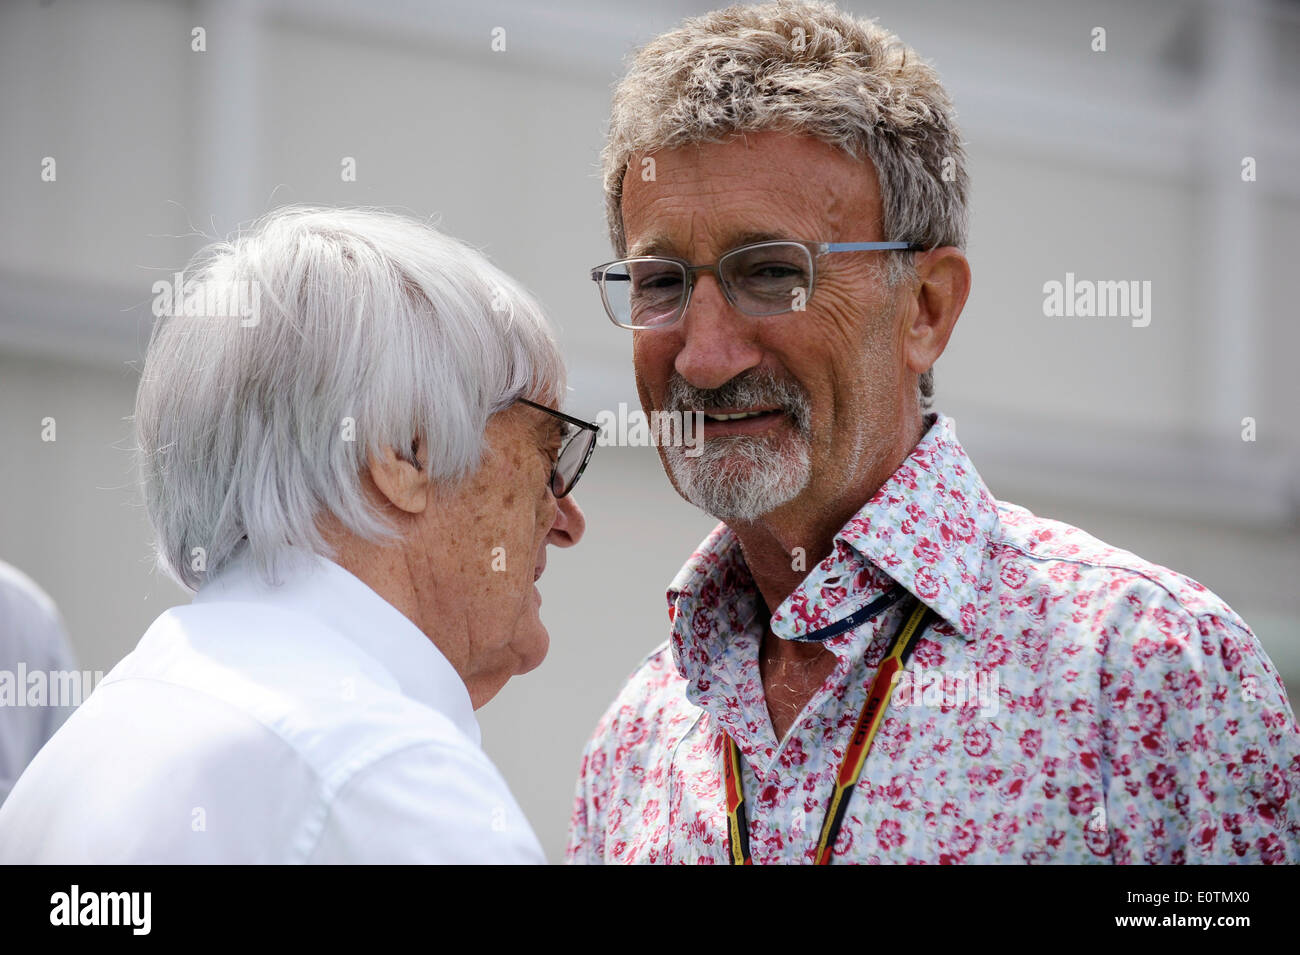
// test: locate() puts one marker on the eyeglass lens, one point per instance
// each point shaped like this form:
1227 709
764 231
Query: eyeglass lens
765 279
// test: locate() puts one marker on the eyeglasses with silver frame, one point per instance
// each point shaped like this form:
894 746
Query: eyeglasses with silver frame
772 277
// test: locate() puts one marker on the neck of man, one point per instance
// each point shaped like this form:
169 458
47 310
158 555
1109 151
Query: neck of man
402 576
780 548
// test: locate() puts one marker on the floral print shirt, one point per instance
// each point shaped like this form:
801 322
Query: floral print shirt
1071 703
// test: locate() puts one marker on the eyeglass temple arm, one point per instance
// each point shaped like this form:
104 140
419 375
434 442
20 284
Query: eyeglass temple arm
868 246
585 425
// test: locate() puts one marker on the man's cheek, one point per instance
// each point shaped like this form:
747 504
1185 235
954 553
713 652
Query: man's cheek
547 510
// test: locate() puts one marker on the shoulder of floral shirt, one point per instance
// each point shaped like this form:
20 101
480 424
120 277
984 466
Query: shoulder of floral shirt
935 528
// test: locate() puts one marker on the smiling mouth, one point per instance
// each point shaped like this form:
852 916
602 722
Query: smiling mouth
740 415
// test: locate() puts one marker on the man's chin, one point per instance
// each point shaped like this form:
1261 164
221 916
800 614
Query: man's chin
533 647
738 488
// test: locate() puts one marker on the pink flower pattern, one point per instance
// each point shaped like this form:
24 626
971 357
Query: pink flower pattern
1138 719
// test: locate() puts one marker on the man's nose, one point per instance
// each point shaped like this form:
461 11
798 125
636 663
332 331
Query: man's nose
718 341
569 523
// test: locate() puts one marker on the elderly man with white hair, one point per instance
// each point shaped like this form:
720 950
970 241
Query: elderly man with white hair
359 469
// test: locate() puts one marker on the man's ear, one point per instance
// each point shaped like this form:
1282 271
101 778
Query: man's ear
944 284
403 482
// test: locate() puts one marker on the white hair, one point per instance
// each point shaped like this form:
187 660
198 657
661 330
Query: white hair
367 331
807 69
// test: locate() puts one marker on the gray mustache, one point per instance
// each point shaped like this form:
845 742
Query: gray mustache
747 388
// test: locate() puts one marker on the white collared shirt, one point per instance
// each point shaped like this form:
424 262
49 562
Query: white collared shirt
309 722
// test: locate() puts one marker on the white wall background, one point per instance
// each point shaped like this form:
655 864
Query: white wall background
1116 165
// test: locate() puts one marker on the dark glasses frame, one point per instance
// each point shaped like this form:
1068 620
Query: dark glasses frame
558 488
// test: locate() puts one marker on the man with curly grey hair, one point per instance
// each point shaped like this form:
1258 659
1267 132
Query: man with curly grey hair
348 447
871 659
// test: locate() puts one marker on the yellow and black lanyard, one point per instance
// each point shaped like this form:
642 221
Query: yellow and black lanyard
855 757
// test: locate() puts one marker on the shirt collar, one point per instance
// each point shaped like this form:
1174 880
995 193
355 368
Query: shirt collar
929 525
315 586
925 529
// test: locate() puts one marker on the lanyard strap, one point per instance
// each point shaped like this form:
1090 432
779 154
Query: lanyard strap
855 757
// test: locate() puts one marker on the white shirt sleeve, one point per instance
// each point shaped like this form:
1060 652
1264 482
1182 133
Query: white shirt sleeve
31 634
427 803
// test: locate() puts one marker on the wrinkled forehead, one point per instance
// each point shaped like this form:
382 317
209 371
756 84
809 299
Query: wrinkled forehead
749 188
665 242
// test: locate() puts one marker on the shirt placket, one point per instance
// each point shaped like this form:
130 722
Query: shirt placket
724 687
788 803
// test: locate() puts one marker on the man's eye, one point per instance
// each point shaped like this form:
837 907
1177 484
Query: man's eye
660 281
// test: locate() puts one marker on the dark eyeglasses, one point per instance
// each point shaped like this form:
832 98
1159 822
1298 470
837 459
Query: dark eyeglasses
762 278
575 452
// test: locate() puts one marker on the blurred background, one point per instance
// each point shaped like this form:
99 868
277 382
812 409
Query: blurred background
1125 164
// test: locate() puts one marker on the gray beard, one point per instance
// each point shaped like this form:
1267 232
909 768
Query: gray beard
741 478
